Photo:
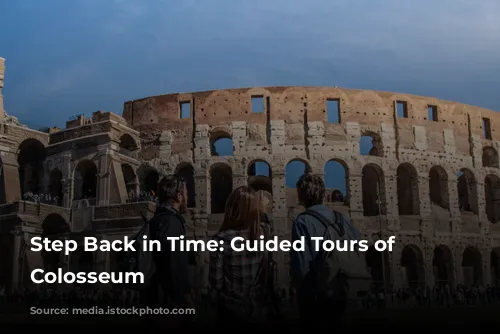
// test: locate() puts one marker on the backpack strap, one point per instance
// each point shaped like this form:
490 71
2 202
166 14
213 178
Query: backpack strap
326 222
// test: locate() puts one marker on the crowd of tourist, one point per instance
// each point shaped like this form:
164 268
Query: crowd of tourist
442 295
41 198
143 196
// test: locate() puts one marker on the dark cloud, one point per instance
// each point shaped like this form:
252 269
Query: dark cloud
66 59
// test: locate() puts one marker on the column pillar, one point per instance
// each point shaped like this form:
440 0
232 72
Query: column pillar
397 272
239 174
103 179
201 215
281 226
16 259
67 181
10 174
355 196
391 202
484 223
428 254
424 194
456 216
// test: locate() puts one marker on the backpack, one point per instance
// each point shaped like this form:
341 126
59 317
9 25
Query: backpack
271 301
139 261
339 275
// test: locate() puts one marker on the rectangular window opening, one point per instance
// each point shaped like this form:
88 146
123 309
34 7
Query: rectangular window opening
185 108
432 113
258 104
333 111
402 109
487 128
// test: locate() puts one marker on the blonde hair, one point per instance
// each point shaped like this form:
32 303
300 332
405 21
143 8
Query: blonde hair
243 211
264 201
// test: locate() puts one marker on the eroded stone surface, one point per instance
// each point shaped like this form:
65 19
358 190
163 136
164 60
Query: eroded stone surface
415 162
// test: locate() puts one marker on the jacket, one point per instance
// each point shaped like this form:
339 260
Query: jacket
301 262
172 266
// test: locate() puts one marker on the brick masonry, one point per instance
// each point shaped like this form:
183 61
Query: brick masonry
416 162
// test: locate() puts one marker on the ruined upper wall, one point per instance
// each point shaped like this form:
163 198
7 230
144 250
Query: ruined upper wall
100 123
152 115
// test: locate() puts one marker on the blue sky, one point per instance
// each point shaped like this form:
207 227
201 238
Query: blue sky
79 56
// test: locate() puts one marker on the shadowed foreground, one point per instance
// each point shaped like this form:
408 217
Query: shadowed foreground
423 318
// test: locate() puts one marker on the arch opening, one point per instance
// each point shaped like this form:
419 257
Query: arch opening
56 186
221 186
373 190
490 157
259 168
130 180
335 196
467 191
336 181
149 184
127 143
294 170
413 264
495 266
85 180
54 226
472 266
260 176
438 187
221 144
442 263
31 155
370 143
86 262
492 198
380 268
408 194
187 173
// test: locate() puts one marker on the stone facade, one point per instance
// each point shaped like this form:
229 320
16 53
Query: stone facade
431 178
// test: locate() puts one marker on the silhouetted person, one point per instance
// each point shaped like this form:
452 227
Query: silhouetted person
171 285
236 276
315 313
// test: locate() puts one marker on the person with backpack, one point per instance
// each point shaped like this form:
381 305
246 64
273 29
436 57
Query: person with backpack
170 285
237 277
323 281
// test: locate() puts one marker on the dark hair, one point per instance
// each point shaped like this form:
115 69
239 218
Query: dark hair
243 211
310 190
169 187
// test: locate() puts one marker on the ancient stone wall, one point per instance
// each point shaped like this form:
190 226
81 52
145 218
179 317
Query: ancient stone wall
431 176
434 162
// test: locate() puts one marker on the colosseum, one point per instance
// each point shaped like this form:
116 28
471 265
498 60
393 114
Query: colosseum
431 177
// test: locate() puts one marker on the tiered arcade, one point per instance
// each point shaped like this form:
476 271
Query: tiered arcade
431 177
